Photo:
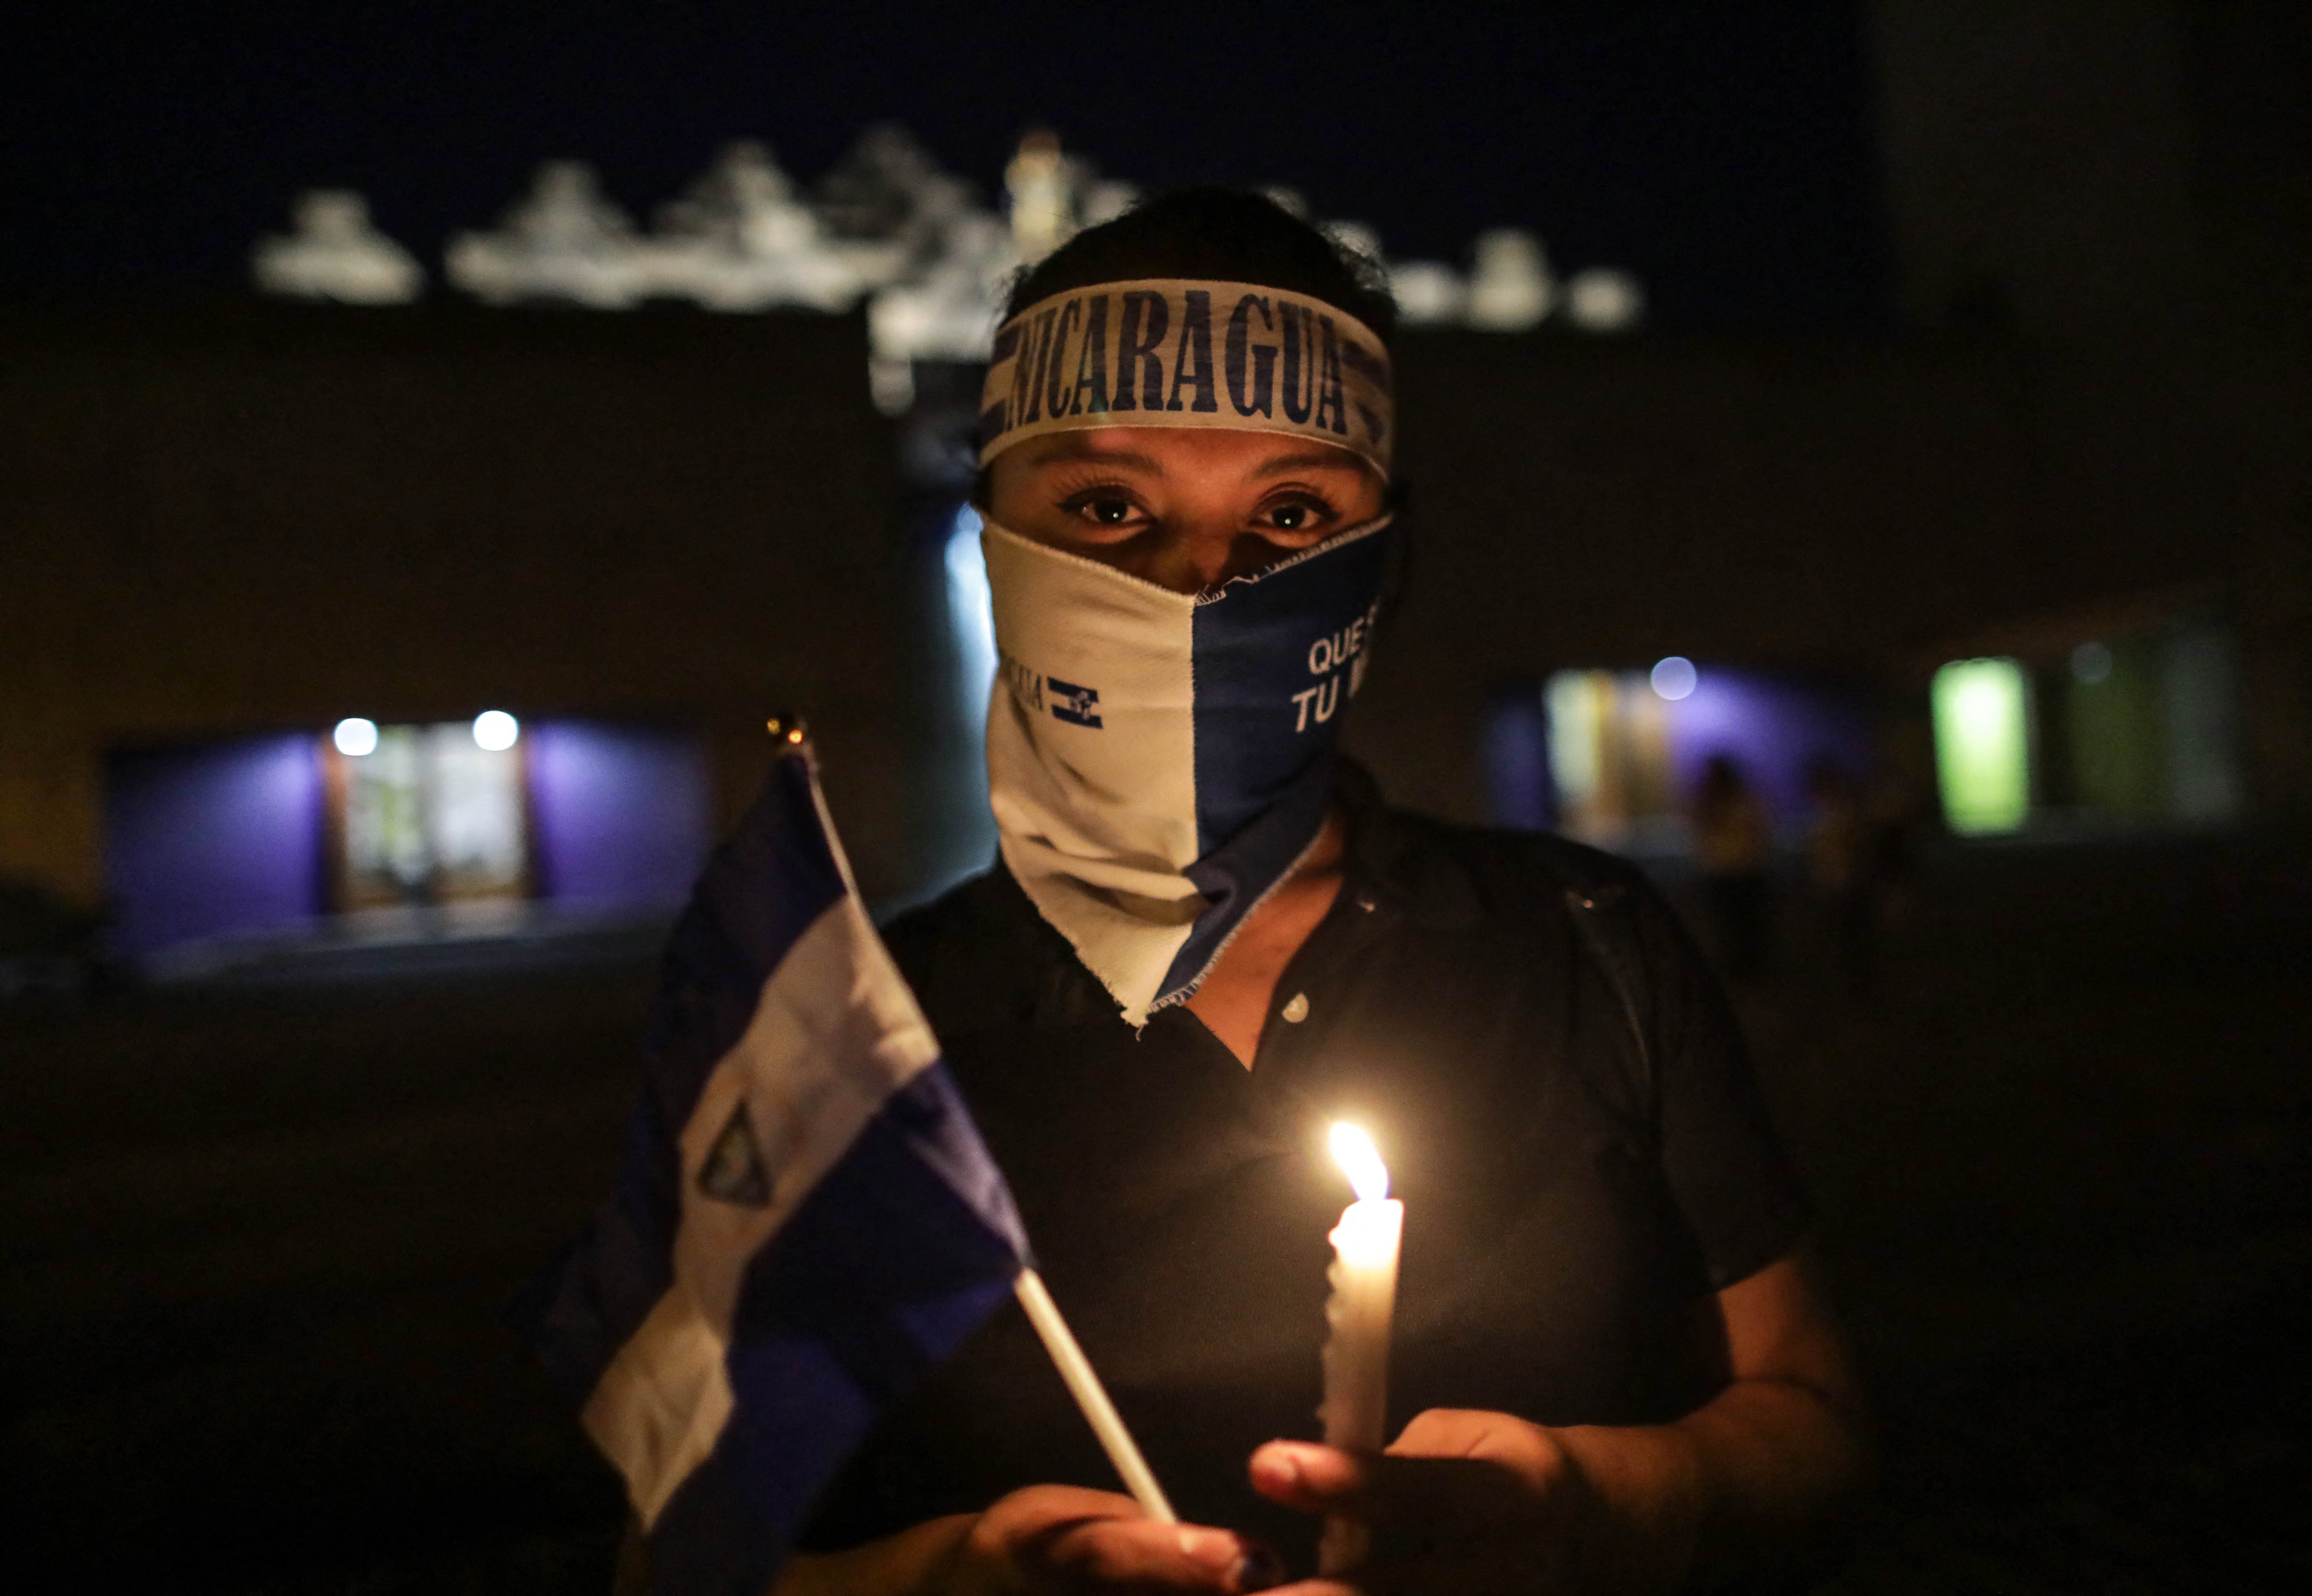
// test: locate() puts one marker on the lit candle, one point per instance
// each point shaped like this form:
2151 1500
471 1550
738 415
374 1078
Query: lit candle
1356 1356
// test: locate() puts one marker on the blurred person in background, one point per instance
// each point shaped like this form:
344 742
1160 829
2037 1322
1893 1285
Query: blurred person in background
1843 869
1891 817
1733 847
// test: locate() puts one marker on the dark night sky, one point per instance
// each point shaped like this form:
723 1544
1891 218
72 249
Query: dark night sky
1718 147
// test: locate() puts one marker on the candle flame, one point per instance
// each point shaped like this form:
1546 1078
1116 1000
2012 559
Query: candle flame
1360 1161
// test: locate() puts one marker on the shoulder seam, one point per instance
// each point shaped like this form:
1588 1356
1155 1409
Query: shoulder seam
1594 891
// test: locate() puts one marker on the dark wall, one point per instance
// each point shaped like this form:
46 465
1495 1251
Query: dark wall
257 516
2038 163
2249 70
2098 169
1843 506
2124 187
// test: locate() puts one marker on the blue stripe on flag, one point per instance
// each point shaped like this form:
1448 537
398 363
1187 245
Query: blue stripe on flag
900 1251
881 1270
759 892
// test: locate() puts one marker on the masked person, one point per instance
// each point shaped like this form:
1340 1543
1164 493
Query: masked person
1207 938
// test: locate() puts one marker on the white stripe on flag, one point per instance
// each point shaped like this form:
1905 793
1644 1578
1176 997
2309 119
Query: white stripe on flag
661 1406
835 1034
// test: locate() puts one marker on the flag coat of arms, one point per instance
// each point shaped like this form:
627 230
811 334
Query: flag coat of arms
806 1221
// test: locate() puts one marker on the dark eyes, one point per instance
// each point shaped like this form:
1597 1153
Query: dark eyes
1303 513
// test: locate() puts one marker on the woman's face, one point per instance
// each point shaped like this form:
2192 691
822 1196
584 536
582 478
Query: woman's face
1185 509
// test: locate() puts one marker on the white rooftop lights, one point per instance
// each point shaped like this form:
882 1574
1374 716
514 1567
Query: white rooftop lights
562 241
887 225
336 253
355 737
1603 299
1512 288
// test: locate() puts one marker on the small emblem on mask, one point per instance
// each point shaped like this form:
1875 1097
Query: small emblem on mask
1079 707
733 1171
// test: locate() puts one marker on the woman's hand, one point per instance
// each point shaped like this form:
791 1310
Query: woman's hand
1464 1502
1759 1480
1060 1538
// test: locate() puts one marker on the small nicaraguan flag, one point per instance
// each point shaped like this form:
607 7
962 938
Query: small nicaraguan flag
806 1224
1076 705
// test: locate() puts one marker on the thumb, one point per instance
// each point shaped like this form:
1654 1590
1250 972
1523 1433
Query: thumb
1433 1493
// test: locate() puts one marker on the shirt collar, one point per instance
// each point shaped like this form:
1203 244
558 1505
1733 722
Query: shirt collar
1391 877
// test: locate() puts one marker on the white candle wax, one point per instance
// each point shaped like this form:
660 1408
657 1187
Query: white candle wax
1364 1277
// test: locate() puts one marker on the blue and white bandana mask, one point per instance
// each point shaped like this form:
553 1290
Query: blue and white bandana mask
1159 761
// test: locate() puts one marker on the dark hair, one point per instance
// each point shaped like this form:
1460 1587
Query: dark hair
1228 235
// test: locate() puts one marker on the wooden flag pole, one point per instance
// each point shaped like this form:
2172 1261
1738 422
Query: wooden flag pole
1090 1396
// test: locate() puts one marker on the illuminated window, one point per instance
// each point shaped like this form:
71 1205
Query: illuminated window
473 819
431 814
2109 727
1983 744
1621 754
383 856
1608 753
1580 702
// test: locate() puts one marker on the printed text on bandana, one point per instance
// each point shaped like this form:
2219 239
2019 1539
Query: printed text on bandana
1330 658
1161 354
1334 660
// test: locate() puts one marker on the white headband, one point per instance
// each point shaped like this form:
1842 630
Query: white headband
1150 353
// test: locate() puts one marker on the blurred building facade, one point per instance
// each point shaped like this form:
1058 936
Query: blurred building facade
2123 192
2080 445
227 528
2078 453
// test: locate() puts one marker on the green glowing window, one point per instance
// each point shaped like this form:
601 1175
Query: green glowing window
1983 744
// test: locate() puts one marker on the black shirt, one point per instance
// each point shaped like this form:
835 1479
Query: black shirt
1549 1071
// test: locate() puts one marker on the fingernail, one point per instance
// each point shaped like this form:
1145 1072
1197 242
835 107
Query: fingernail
1279 1464
1214 1549
1258 1569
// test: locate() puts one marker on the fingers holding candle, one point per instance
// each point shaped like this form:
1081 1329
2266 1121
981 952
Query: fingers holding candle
1313 1479
1503 1512
1065 1538
1439 1500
